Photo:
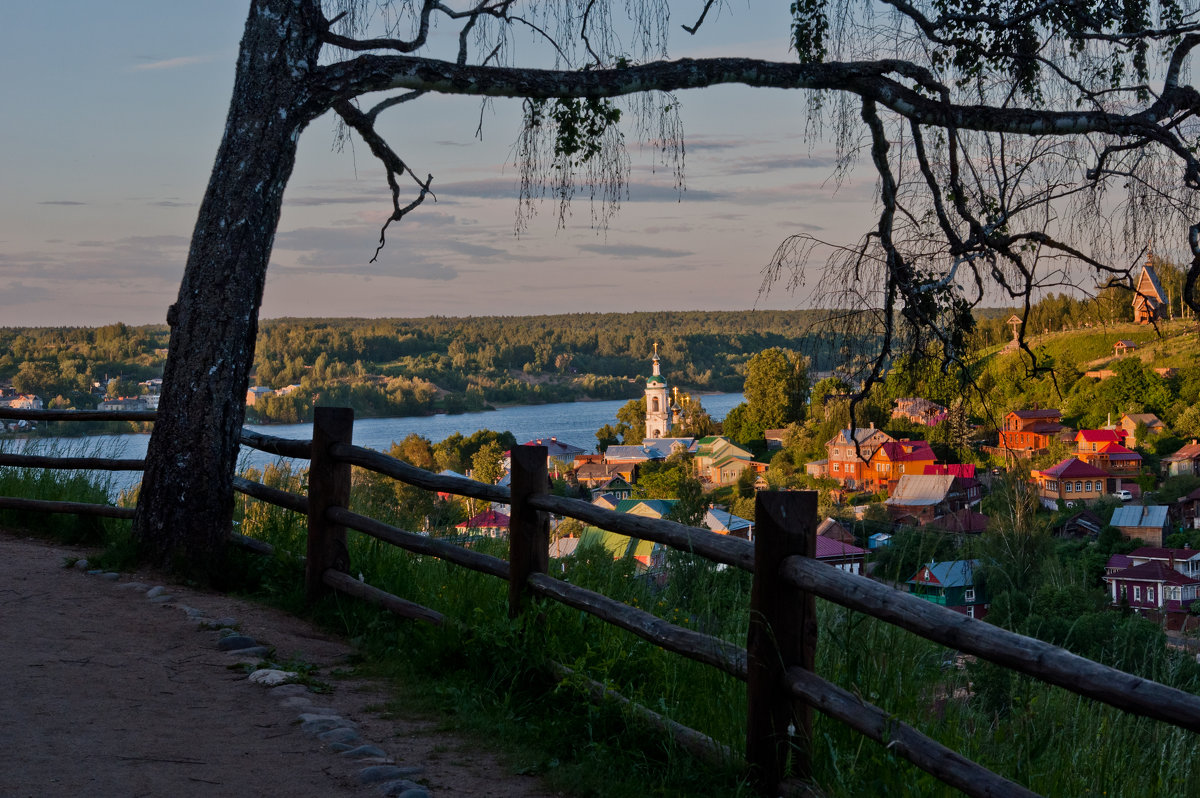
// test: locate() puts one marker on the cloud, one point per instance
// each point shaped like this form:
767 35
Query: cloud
170 204
94 261
18 294
634 251
348 251
61 202
173 63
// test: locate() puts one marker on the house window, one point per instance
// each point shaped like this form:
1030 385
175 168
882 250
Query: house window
1124 592
971 611
1078 488
836 453
1052 484
1150 595
1087 485
969 594
1137 593
849 468
1068 484
835 466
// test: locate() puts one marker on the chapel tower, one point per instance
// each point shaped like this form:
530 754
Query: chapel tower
658 406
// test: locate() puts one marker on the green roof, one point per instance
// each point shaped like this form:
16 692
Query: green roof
656 381
619 545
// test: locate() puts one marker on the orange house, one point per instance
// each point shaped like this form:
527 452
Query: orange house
894 459
1028 431
850 455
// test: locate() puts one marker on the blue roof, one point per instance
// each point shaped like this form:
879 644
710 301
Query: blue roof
633 452
950 573
1154 515
726 520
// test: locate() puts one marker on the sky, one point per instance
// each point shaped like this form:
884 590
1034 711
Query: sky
113 113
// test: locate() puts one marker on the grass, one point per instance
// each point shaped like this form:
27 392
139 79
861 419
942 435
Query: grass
487 676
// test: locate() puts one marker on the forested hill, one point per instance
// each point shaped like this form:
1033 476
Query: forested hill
414 366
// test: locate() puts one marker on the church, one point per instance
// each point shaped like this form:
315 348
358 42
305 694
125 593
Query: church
660 412
1149 299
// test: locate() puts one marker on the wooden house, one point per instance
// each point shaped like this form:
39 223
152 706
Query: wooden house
1147 523
849 455
1184 461
1027 432
951 584
1070 481
1123 347
1128 426
844 556
1149 298
894 459
919 498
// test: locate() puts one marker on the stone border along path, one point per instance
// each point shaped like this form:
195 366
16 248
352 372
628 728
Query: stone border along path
66 728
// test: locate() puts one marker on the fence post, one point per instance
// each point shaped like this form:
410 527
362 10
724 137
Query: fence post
528 529
328 486
783 634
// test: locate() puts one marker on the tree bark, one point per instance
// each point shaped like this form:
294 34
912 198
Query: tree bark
185 508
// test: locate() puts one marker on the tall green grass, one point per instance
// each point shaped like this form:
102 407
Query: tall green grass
91 487
486 673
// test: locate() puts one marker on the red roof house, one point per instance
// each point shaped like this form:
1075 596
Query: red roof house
490 522
1072 480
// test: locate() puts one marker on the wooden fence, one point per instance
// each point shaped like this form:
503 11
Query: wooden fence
777 662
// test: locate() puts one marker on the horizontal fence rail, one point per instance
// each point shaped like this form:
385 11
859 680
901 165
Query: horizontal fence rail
1027 655
783 630
78 415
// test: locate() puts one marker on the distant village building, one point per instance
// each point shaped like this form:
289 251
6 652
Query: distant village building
849 454
1070 481
1185 461
1129 423
1148 524
1123 347
919 410
951 584
1149 298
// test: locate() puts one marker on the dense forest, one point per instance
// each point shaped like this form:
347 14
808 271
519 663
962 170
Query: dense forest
392 367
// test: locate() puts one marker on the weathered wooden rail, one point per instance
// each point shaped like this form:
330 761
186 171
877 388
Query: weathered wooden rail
777 662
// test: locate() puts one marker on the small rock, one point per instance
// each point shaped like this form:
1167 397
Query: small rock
132 586
272 677
315 727
342 734
236 642
157 590
289 691
225 623
381 773
415 792
339 748
359 752
162 598
190 612
111 576
296 701
81 565
251 651
94 572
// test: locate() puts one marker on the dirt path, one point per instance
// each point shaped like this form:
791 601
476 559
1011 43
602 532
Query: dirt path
107 693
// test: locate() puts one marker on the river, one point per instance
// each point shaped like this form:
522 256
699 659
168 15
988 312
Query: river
571 422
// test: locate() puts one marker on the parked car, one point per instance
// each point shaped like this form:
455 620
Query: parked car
1124 495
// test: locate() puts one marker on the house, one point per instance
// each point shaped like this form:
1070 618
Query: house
918 499
253 394
1115 460
829 528
1184 461
961 522
1152 586
818 468
620 546
491 523
25 402
647 508
1187 510
952 584
1123 347
1147 523
719 461
1084 524
606 500
775 438
1129 424
591 475
123 403
632 454
894 459
723 522
879 540
616 487
563 547
1090 440
849 454
1186 561
843 556
1149 298
672 446
1070 481
966 474
1027 432
919 410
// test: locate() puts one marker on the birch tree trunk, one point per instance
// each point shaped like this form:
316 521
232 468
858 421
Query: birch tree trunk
185 507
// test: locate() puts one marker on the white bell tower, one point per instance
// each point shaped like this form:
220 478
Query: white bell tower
658 406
